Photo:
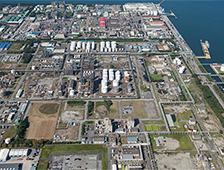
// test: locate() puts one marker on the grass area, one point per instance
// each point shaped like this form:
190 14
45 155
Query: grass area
145 89
191 88
112 113
10 133
175 120
151 128
159 122
124 140
50 108
60 149
138 107
156 77
220 93
42 164
186 115
76 103
180 128
14 48
65 78
184 141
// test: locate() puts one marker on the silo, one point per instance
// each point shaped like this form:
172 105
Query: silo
111 74
83 45
104 82
118 75
93 45
103 89
116 83
102 44
108 44
79 44
101 49
126 74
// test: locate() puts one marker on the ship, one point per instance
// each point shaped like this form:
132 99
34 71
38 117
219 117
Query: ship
207 44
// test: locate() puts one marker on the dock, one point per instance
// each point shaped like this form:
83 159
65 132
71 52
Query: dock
205 51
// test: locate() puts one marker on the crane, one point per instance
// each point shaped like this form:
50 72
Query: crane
161 2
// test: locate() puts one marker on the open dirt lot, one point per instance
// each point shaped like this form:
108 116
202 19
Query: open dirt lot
169 143
68 116
174 161
138 107
41 125
209 123
70 132
219 141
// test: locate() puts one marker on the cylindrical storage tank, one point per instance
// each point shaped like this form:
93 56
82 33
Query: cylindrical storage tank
104 70
104 89
101 49
126 74
116 89
115 83
83 45
102 44
71 93
109 49
105 77
108 44
113 44
33 67
88 46
79 44
104 83
111 77
117 75
105 50
93 45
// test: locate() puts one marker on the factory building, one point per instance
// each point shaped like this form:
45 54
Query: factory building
108 125
130 122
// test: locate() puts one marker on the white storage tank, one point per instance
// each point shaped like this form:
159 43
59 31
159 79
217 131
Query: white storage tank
102 44
222 67
33 67
108 44
104 82
126 74
83 45
79 44
118 75
116 83
71 93
93 45
105 50
105 77
104 89
101 49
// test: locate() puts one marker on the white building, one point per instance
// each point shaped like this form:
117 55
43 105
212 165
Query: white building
4 154
18 152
